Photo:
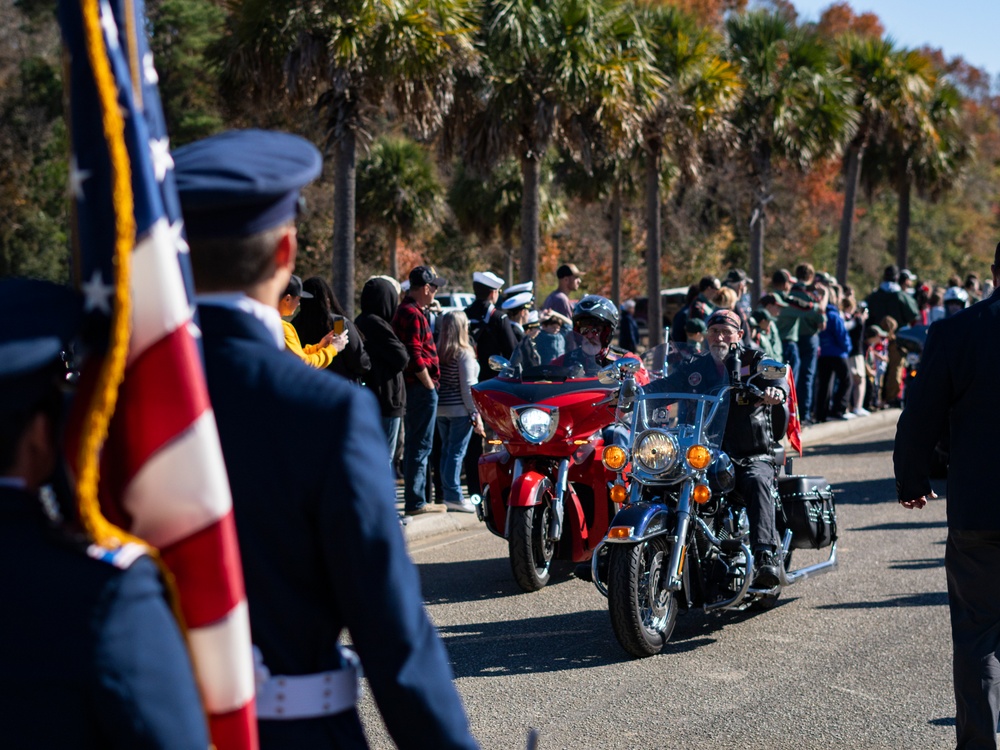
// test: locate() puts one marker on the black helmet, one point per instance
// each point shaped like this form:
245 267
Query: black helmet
600 310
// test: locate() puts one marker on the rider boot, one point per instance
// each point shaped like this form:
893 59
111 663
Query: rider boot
765 564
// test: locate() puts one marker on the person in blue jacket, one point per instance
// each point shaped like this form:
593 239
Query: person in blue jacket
833 377
322 548
90 654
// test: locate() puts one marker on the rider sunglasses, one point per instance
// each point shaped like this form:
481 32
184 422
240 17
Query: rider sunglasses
587 330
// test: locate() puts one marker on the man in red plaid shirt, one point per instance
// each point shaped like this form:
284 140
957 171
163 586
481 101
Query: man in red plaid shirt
421 375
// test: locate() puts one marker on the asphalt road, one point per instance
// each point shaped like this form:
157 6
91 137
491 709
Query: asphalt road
856 658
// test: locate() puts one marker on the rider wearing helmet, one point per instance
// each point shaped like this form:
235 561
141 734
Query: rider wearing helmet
955 299
595 320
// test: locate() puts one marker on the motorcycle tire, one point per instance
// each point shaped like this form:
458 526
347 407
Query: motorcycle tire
643 614
531 551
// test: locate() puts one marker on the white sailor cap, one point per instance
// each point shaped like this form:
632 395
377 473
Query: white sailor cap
532 319
518 300
527 286
487 278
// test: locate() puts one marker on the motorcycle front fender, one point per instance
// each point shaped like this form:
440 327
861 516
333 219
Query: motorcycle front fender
524 492
644 520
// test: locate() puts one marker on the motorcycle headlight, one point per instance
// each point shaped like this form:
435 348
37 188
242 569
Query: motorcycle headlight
537 425
656 451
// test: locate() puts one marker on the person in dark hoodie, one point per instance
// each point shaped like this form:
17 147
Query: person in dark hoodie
318 315
387 353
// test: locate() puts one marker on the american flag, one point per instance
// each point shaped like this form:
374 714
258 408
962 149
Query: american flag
142 441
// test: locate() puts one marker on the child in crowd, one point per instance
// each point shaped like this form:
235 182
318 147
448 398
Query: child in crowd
695 329
550 342
876 361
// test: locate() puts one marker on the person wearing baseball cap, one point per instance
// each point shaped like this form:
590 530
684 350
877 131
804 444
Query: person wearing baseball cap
319 535
318 355
750 434
569 278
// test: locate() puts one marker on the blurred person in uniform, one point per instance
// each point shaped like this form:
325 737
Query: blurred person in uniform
763 327
569 277
812 300
527 286
788 320
490 333
388 356
323 551
957 389
319 355
517 308
321 313
890 299
422 374
90 653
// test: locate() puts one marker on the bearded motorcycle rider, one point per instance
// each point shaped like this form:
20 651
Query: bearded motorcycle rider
749 436
595 319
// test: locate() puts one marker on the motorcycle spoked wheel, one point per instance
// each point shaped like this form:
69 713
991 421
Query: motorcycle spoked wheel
530 549
643 613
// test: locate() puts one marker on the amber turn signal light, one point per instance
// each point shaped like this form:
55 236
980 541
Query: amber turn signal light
701 494
619 532
698 456
614 457
619 493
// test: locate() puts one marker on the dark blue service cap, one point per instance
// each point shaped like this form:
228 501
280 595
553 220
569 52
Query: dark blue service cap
38 319
243 182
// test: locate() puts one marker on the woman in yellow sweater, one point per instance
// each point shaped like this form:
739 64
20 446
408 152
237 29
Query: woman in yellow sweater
318 355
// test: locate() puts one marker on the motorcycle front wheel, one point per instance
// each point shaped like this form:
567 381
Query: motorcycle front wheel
643 612
531 551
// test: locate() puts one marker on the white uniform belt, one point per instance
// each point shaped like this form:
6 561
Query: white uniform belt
307 696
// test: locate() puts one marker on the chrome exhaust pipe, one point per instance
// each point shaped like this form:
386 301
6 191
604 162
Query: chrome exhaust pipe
794 576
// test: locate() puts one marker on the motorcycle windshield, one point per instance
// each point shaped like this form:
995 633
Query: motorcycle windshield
687 396
553 357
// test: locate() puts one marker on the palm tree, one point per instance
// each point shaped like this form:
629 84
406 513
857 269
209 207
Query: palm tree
928 152
696 89
345 58
794 105
490 205
890 86
397 188
543 65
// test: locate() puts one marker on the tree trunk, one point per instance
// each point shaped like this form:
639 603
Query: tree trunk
394 251
903 223
758 217
531 178
855 154
616 244
654 310
508 256
345 170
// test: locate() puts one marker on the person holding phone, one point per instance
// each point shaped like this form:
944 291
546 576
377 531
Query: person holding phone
318 355
322 313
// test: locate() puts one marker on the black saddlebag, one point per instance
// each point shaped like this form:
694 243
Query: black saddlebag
808 510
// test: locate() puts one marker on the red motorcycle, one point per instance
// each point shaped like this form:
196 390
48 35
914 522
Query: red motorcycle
546 490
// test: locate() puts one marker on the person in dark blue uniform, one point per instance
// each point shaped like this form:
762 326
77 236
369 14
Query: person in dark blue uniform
957 388
322 548
90 654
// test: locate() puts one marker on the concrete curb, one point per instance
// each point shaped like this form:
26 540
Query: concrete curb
420 528
820 433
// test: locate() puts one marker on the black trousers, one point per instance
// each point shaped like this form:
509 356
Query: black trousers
972 562
754 482
831 371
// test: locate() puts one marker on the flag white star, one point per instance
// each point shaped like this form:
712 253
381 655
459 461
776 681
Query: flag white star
77 177
109 25
148 70
177 238
162 160
97 294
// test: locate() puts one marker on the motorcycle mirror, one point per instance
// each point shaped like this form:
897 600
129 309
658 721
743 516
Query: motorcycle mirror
609 374
497 363
772 369
628 366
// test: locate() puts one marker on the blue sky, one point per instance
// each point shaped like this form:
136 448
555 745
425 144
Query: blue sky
970 28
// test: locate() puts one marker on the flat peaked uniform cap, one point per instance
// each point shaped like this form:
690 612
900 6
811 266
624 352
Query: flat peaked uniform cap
37 321
243 182
487 278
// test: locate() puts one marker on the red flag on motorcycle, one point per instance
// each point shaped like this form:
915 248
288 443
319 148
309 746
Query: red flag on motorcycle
794 431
